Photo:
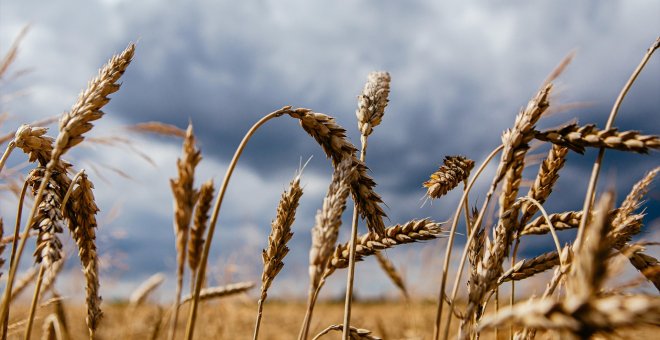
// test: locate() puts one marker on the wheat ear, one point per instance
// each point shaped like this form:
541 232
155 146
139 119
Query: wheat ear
324 234
82 223
75 123
578 138
210 293
185 197
370 111
142 292
455 170
280 234
442 296
200 221
371 243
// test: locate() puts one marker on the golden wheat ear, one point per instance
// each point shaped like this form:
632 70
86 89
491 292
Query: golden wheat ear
280 234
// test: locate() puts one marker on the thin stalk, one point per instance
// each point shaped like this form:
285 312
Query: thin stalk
497 309
450 242
190 326
512 298
69 190
12 259
591 188
33 306
304 331
5 156
351 258
257 326
548 221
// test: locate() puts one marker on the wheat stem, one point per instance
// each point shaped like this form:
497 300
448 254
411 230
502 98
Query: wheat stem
5 155
547 221
6 301
591 188
69 190
35 299
450 242
351 259
201 271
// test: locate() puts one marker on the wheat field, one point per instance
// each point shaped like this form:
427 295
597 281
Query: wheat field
575 304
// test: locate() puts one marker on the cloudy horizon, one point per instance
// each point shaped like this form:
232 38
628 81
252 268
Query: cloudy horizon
460 73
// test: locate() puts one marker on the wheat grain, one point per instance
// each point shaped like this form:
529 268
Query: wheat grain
221 291
545 180
577 138
200 220
82 222
528 268
523 129
455 170
648 265
280 234
75 123
561 221
49 220
328 222
599 315
372 102
332 139
370 243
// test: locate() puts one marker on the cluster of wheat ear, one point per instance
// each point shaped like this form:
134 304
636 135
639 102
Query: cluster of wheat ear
575 303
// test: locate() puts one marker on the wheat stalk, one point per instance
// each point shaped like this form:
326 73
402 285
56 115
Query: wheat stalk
185 197
2 246
328 222
370 111
325 232
280 234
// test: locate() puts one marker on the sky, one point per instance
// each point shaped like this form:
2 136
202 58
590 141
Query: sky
460 72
